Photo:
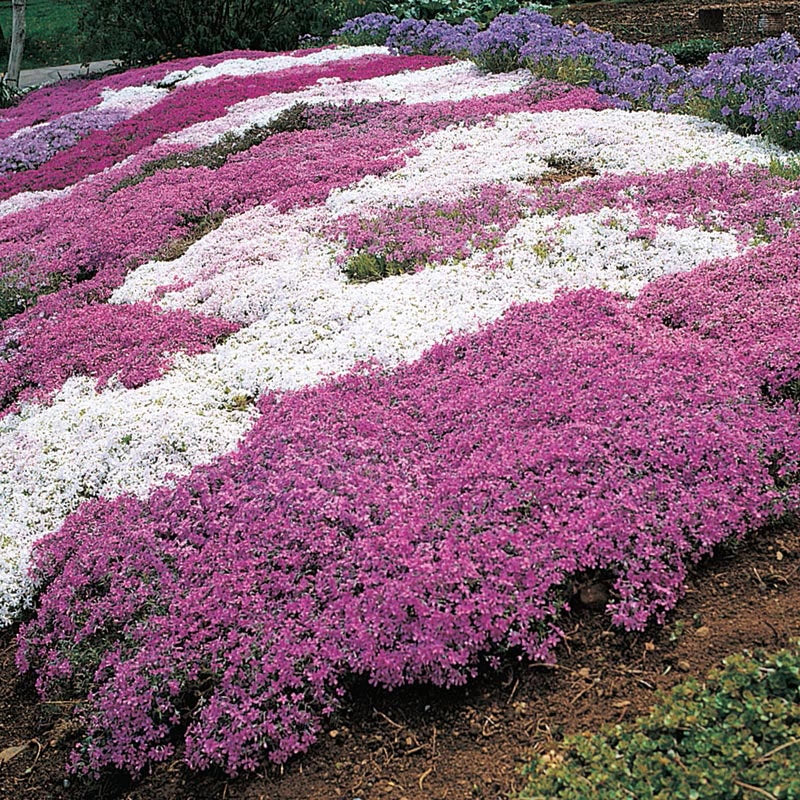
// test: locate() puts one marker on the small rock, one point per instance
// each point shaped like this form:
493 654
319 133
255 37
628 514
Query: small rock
333 734
779 555
683 665
703 632
649 647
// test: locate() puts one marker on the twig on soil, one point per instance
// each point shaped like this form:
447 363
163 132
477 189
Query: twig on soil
424 775
773 629
756 789
392 723
38 753
583 691
791 572
513 691
774 750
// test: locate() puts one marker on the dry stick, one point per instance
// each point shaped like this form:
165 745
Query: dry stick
513 692
777 749
756 789
393 724
424 775
791 572
583 691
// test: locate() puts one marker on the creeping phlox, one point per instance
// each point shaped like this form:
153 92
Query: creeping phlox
343 362
750 89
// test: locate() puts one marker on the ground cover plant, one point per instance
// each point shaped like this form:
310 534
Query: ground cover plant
750 89
346 363
734 735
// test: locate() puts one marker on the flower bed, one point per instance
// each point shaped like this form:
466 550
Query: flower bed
752 90
347 363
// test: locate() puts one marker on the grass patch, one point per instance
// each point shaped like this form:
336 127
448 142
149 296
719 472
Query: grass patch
17 293
52 34
365 267
216 155
198 227
789 169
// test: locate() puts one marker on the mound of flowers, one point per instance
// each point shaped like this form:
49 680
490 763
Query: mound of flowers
750 89
343 362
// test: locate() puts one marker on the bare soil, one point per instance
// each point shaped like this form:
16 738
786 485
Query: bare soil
424 743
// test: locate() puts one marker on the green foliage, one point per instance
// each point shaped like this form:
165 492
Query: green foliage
197 226
692 51
52 34
317 19
789 168
736 735
781 128
151 30
143 31
364 267
9 95
455 11
18 293
578 71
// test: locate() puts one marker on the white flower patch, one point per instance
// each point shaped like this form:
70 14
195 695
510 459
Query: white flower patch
278 275
88 445
605 250
244 67
516 147
132 99
25 201
243 270
450 82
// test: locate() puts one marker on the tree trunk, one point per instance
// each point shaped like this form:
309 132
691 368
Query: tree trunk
17 42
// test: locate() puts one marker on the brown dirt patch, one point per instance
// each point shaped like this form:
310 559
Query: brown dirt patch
430 744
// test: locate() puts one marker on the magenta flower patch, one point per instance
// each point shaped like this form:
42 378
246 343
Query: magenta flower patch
399 526
235 480
132 343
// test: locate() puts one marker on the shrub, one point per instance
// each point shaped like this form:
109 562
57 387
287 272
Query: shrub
735 734
692 51
152 30
454 11
9 95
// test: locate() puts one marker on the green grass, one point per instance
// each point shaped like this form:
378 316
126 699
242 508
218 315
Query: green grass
52 34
